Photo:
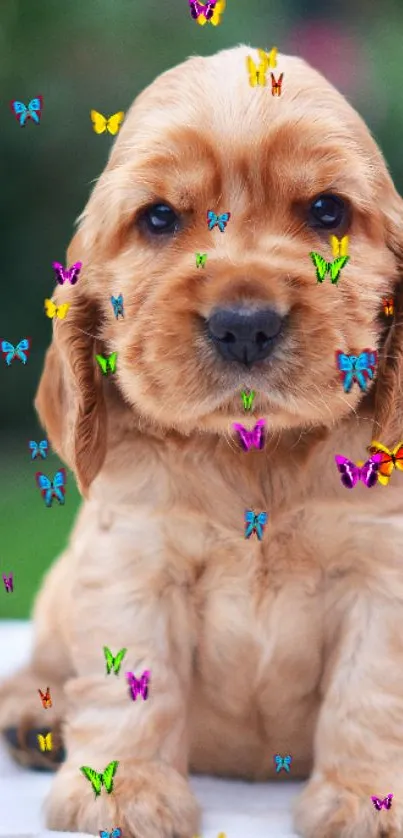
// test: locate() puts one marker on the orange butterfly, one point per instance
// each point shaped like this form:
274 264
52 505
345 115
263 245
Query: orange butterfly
276 85
388 307
390 459
46 699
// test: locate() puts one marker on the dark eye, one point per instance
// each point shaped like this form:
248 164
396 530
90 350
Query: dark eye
327 211
160 219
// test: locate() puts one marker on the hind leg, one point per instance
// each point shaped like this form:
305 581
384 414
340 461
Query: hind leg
22 715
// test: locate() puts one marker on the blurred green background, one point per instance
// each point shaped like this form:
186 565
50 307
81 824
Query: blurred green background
84 54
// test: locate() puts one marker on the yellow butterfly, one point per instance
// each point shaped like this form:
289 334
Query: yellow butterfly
101 123
51 310
257 72
45 742
216 16
339 246
269 57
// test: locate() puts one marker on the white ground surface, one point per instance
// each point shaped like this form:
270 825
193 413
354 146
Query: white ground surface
238 809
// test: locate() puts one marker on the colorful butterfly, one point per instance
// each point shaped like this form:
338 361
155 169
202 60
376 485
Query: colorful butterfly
8 583
201 259
385 803
282 762
202 18
117 303
108 363
21 351
116 833
254 438
67 274
45 742
255 522
389 459
102 123
388 307
113 662
39 449
276 85
45 698
339 246
103 778
51 310
139 687
197 9
333 268
247 398
256 72
351 473
22 112
220 220
52 489
356 368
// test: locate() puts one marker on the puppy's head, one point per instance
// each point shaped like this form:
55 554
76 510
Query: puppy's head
291 170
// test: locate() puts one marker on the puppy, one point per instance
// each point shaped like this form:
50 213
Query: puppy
285 645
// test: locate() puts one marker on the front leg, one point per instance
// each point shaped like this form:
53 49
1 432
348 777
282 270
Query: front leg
147 612
359 737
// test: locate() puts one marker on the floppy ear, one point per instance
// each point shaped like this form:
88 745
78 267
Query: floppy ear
388 416
69 399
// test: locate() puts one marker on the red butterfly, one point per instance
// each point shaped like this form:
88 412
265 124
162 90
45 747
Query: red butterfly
388 307
46 699
276 85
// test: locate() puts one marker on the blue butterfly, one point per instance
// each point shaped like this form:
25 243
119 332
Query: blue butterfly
220 220
116 833
22 112
356 367
12 352
283 762
117 303
255 523
38 448
51 489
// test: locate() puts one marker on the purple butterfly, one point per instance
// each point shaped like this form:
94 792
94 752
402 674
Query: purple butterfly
197 9
8 582
351 473
386 802
139 687
67 274
255 437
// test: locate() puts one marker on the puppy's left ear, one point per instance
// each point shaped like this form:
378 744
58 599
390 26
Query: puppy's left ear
388 415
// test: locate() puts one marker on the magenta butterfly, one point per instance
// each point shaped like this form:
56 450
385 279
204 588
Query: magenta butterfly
254 438
385 803
8 582
138 687
351 473
197 9
67 274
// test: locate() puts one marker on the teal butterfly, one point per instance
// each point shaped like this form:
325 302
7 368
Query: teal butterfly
107 363
100 779
333 268
116 833
113 662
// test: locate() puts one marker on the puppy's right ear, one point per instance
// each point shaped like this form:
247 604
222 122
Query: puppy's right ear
69 399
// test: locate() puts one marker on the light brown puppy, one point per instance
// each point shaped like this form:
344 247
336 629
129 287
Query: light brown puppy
288 645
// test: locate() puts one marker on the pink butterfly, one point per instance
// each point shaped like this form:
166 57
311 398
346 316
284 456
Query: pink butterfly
67 274
386 802
351 473
254 438
139 687
9 582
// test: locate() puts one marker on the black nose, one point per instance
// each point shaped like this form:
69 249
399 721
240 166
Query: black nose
244 334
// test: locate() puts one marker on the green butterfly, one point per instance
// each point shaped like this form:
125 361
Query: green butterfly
201 259
113 662
247 399
105 778
333 268
108 363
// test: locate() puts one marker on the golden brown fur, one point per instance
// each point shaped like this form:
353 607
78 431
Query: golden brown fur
290 645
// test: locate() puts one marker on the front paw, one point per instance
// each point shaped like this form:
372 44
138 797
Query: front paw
148 800
327 809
